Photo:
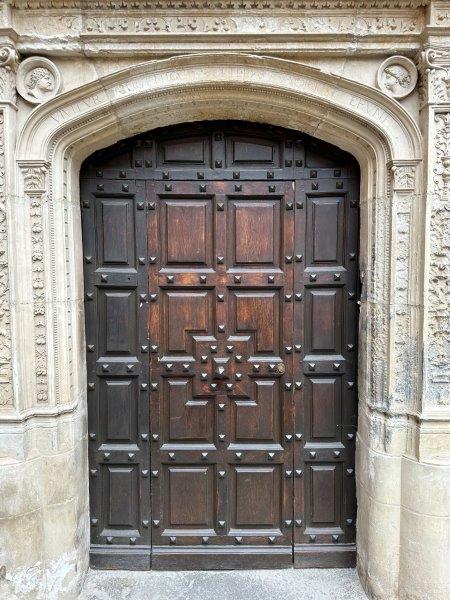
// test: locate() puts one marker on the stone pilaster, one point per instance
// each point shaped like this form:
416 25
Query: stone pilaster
8 66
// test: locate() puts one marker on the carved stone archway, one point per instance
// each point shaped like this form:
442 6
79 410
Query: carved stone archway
57 137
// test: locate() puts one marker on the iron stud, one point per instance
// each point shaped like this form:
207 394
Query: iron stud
220 297
221 524
203 376
298 436
202 278
220 260
288 297
299 204
270 455
337 276
204 455
153 348
141 260
130 368
155 437
221 474
315 185
288 523
313 277
269 174
238 188
220 206
169 366
144 473
213 386
171 455
221 407
336 366
144 349
109 539
200 175
238 540
298 472
298 297
336 453
203 358
156 523
222 437
271 279
236 175
94 522
230 349
288 163
144 437
205 540
271 539
155 474
100 187
339 185
349 472
172 540
89 296
298 385
312 366
166 175
256 368
238 358
143 297
125 187
289 205
288 386
288 349
350 436
218 164
350 385
298 522
140 206
104 277
337 172
91 386
312 538
153 297
350 347
288 259
313 454
298 257
229 386
130 455
288 437
170 278
92 436
221 328
349 522
298 347
351 295
202 187
122 174
237 279
168 187
238 455
335 538
86 204
313 174
91 347
272 188
288 474
138 163
88 260
186 367
213 349
154 387
93 472
106 455
151 206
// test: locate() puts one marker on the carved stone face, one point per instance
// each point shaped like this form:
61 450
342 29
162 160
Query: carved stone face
40 82
396 79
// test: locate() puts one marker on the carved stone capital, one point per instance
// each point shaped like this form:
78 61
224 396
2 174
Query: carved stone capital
9 61
403 177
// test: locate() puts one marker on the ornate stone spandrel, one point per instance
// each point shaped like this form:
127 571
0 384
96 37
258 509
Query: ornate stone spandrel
38 80
8 68
397 77
34 182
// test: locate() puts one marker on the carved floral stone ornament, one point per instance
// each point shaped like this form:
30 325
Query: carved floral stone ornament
397 76
38 79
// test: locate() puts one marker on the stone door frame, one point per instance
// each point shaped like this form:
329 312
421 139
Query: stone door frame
47 321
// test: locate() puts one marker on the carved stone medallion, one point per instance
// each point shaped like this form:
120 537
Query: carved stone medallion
38 79
397 76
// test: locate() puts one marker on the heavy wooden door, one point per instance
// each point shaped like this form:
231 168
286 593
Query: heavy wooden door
221 287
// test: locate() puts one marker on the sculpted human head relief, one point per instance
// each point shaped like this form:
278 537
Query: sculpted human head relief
38 80
397 76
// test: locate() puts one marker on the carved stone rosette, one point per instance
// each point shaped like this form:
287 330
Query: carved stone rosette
34 185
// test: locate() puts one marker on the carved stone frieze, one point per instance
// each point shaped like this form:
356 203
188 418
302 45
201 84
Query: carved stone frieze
434 85
129 5
34 184
6 395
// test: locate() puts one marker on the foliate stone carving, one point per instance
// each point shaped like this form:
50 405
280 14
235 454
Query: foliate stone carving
211 4
434 66
38 79
397 76
6 393
34 182
404 177
439 268
8 67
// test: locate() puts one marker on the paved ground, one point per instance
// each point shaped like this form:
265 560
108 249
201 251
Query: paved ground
287 584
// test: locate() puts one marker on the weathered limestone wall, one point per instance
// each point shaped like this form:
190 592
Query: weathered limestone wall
330 85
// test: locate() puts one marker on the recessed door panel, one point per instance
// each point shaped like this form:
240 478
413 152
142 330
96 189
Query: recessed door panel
221 291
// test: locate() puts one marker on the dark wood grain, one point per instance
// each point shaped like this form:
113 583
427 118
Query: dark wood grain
221 327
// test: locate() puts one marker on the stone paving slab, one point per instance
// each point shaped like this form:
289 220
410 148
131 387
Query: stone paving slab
286 584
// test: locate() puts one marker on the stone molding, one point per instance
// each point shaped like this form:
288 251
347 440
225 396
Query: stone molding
365 121
9 62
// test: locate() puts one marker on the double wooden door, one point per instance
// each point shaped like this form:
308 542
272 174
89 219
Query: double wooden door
221 287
